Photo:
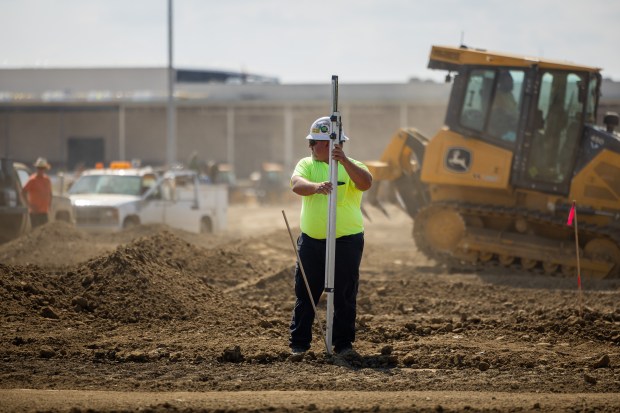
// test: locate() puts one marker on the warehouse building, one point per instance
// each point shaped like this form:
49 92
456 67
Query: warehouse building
78 117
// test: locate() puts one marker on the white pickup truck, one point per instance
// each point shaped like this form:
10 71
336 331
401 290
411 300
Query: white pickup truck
112 199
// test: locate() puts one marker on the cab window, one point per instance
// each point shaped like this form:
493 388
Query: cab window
477 98
492 103
592 99
560 108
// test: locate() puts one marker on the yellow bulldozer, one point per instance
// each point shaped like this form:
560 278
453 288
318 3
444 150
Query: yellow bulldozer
495 185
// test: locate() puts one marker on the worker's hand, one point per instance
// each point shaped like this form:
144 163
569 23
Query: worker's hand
338 154
323 188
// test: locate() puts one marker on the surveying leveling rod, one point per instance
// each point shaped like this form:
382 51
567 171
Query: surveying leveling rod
330 254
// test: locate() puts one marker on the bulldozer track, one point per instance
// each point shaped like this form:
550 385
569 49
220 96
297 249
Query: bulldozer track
460 260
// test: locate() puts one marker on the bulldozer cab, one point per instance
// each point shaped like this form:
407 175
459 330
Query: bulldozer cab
535 109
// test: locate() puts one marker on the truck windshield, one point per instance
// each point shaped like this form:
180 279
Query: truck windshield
107 184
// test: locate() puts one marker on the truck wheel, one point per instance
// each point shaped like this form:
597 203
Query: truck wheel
206 226
131 222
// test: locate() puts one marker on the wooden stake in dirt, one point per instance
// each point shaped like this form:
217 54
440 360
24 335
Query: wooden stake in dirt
572 216
303 273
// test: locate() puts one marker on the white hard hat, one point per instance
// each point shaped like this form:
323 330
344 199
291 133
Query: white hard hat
321 129
41 163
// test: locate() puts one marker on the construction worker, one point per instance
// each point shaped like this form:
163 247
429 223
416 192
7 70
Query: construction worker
311 181
38 194
505 109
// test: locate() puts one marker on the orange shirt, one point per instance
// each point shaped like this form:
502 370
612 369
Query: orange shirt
39 191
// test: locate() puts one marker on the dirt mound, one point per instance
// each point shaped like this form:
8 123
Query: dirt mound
56 244
243 261
28 292
61 245
128 235
146 280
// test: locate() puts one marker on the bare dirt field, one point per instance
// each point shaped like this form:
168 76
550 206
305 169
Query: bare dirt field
155 320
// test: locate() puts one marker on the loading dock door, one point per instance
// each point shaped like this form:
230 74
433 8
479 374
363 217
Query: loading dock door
84 152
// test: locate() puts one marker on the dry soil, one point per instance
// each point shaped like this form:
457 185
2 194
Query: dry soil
155 319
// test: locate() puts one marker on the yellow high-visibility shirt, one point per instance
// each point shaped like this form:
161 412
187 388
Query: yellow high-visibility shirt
314 208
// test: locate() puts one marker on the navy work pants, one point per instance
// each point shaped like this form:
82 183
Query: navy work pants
348 255
37 219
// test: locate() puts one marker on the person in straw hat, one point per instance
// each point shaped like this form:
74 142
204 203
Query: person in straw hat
38 194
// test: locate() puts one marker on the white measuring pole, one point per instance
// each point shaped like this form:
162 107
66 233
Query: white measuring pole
330 254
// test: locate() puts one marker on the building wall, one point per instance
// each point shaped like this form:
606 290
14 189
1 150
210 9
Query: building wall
256 133
145 134
245 133
86 125
202 131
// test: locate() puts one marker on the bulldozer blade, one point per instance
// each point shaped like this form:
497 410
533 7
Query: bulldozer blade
372 197
381 208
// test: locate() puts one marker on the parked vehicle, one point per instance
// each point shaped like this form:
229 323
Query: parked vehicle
240 191
121 197
14 219
269 183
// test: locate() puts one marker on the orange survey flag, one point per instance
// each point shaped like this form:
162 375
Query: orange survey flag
571 215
